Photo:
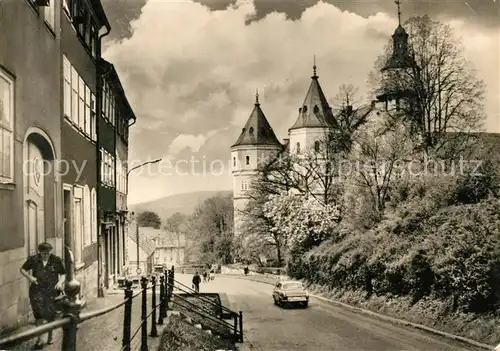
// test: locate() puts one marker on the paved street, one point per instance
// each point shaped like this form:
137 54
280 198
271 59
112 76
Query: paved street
320 327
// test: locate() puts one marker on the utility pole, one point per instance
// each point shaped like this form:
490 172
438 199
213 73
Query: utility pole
138 271
137 240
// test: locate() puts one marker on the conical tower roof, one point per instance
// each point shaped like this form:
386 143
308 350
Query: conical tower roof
257 130
315 111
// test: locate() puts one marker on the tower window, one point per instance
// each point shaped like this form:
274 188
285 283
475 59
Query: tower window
316 109
234 161
298 148
247 159
304 109
316 146
250 130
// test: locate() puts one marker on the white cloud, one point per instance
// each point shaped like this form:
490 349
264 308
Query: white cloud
188 71
194 142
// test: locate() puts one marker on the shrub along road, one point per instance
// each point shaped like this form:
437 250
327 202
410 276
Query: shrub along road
320 327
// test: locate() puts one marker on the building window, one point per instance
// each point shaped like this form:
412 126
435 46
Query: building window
247 160
79 101
93 216
78 228
86 29
6 128
107 169
81 104
234 161
108 104
93 130
74 96
67 87
87 210
88 119
49 14
121 176
298 148
316 146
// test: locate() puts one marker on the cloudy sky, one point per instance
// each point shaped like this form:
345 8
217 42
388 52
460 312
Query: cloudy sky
191 69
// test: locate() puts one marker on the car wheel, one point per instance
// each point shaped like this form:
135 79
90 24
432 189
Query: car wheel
274 299
305 304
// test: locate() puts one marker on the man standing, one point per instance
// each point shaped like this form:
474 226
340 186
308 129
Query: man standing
46 279
196 282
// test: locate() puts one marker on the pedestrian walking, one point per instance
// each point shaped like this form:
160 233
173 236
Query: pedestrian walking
46 282
205 277
212 275
196 282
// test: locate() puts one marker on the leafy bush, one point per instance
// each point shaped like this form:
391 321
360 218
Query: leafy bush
456 253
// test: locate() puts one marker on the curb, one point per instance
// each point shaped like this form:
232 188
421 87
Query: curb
386 318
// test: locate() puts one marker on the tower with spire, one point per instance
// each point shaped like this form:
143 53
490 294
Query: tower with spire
314 120
257 142
400 60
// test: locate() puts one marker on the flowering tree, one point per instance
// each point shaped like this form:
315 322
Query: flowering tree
302 222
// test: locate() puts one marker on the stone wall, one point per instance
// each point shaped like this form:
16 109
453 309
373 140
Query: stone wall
88 280
14 302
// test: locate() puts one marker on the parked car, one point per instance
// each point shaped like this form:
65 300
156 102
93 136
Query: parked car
290 292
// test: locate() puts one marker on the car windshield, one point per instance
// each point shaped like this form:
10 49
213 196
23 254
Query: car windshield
290 286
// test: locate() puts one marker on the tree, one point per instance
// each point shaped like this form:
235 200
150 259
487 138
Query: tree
302 222
149 219
177 224
212 229
380 155
258 238
446 95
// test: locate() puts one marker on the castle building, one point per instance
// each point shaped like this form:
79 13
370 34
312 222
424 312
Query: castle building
315 119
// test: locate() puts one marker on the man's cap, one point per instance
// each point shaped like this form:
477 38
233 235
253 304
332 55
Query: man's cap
44 247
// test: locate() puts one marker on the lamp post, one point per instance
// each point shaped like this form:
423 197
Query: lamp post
136 223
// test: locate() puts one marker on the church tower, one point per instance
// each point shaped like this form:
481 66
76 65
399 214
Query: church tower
315 119
256 143
399 64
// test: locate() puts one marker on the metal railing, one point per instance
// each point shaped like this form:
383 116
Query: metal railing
72 316
186 289
204 313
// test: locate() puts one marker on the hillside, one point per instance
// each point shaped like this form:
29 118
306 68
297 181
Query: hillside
184 203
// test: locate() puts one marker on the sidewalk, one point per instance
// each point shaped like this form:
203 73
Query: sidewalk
103 332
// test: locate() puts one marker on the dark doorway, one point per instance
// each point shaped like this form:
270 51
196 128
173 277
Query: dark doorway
68 237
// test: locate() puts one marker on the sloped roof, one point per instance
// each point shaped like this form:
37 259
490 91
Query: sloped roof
169 239
400 57
146 244
150 232
315 111
257 130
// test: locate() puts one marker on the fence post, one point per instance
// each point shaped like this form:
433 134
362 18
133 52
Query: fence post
127 316
235 325
144 315
165 293
72 305
154 330
162 303
241 327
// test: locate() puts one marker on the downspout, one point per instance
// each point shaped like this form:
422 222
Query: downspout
100 291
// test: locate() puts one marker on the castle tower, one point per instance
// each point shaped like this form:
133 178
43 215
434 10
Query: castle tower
256 143
391 92
314 121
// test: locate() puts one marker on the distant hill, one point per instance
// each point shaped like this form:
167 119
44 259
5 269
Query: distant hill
183 203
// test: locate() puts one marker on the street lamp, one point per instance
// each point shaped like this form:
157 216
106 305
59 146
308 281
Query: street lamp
136 223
